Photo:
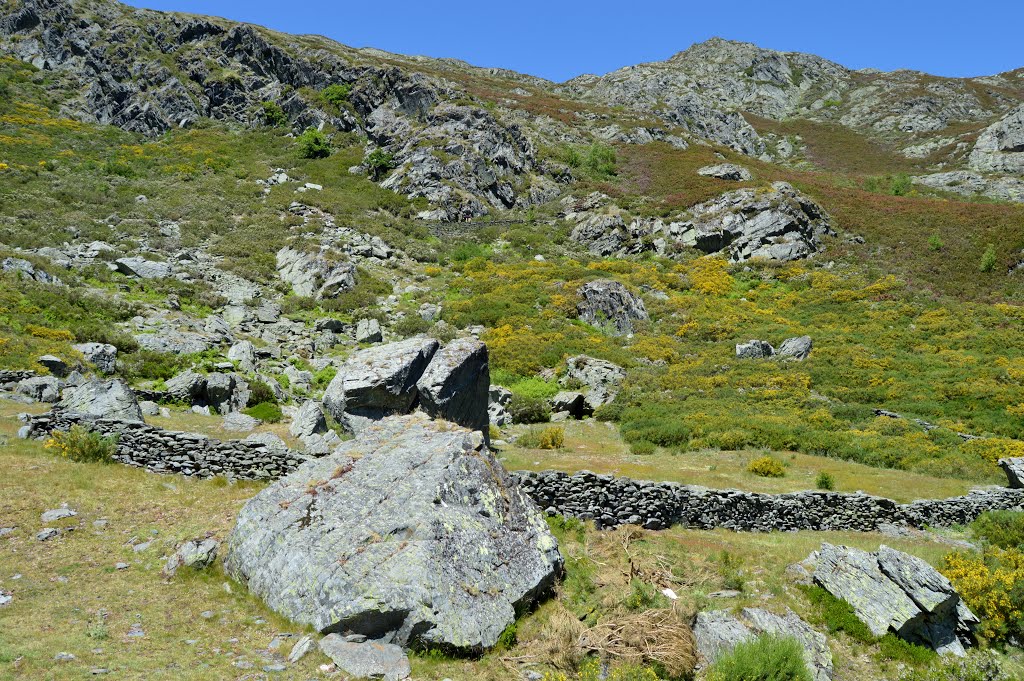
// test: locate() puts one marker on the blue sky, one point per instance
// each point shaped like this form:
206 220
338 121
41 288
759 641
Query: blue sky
559 40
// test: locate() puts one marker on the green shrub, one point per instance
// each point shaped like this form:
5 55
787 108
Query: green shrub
644 596
642 448
378 163
313 144
83 445
336 94
838 614
150 365
411 325
730 568
268 412
977 666
901 185
1004 529
766 658
935 242
988 259
260 392
825 481
322 378
273 114
508 638
552 438
767 467
892 647
524 409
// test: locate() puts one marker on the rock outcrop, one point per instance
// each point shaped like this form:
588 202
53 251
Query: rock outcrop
727 171
718 631
1000 148
111 399
1014 469
224 393
755 349
892 591
312 275
103 356
599 379
609 304
422 540
456 383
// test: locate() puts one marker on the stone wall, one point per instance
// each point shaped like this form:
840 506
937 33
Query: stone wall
611 501
169 451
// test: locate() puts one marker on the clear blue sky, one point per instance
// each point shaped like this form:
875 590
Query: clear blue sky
559 40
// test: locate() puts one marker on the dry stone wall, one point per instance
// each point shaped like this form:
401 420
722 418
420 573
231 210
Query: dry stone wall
169 451
611 501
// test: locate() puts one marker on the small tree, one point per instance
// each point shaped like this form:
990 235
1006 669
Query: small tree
379 162
336 94
314 144
273 114
988 259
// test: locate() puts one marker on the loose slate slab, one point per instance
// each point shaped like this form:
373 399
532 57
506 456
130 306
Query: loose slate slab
456 384
424 539
368 660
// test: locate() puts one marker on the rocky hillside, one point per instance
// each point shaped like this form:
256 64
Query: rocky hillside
453 372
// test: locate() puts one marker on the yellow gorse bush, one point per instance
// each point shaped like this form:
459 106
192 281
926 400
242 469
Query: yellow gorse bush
986 583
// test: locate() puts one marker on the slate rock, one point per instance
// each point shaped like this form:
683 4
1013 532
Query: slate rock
149 408
600 379
55 365
368 331
312 275
1014 469
109 399
369 660
238 422
455 385
47 533
755 349
605 302
244 352
142 268
301 648
424 539
309 420
378 381
56 514
795 348
197 554
573 403
498 401
103 356
40 389
726 171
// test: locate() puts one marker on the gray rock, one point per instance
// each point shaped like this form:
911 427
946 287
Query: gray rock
55 365
301 648
40 388
423 539
309 420
369 660
368 331
103 356
498 400
56 514
142 268
240 423
63 657
47 533
149 408
226 392
27 270
599 378
608 303
1014 469
755 349
197 554
572 403
892 591
456 383
329 324
109 399
378 381
795 348
244 352
312 275
726 171
1000 147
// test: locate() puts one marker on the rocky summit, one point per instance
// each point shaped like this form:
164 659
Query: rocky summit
422 539
326 362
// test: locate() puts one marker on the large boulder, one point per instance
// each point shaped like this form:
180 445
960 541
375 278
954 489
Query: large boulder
1000 147
313 275
103 356
424 539
796 348
142 268
604 302
456 383
243 352
755 349
1014 469
779 223
308 420
599 379
110 399
718 631
40 388
224 393
726 171
892 591
378 381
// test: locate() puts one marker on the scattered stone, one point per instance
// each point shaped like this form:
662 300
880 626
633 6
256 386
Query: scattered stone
207 614
40 389
197 554
142 268
309 420
276 667
47 533
371 660
607 302
423 539
149 408
755 349
136 631
368 331
727 171
63 657
238 422
5 598
121 566
56 514
301 649
795 348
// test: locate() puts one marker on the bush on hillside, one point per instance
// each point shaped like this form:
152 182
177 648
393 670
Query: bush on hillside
82 445
313 144
988 259
336 94
268 412
259 392
525 409
273 114
977 666
825 481
378 163
767 467
1004 529
765 658
992 586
